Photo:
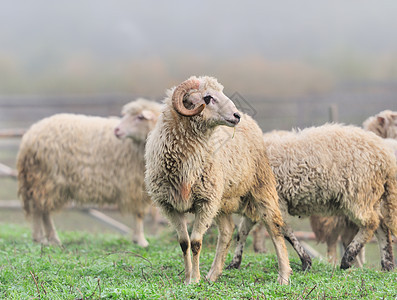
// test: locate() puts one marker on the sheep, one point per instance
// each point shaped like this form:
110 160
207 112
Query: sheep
207 158
335 169
392 144
70 157
328 229
383 124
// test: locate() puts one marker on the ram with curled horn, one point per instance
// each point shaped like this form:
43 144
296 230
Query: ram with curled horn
183 90
187 172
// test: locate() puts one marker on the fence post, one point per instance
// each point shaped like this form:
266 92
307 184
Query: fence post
333 113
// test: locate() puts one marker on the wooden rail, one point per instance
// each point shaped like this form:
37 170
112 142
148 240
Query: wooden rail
12 133
90 210
6 171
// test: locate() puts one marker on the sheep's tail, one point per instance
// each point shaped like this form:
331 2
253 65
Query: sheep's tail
22 193
23 184
389 210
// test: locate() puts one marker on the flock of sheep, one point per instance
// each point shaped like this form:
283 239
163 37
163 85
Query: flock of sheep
343 177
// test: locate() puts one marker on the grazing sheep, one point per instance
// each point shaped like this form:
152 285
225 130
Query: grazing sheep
383 124
193 164
68 157
336 170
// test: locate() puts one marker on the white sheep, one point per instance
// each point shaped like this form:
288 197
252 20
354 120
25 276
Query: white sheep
336 170
193 164
392 144
383 124
329 229
69 157
326 229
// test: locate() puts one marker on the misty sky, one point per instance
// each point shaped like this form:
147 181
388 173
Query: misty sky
118 29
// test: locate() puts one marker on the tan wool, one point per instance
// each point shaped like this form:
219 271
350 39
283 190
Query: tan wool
196 164
77 158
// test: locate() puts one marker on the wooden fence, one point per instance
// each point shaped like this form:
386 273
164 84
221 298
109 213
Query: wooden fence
350 104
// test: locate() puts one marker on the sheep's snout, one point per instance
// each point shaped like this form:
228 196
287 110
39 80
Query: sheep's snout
234 120
118 133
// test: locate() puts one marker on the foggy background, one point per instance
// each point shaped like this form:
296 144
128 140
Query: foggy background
289 59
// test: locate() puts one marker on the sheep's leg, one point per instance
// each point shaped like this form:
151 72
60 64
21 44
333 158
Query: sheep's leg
360 259
364 235
50 231
138 235
202 222
274 223
347 236
37 227
244 229
155 216
331 252
259 238
303 255
225 227
332 243
385 246
178 221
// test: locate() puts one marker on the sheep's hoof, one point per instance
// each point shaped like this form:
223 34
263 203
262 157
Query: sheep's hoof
195 280
347 261
306 264
234 265
54 241
282 280
142 243
387 266
211 276
345 265
41 240
261 250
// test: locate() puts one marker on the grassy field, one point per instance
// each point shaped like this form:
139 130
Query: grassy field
108 266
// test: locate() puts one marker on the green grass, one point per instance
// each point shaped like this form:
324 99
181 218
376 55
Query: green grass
108 266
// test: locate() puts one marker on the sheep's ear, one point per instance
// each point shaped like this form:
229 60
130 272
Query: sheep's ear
193 100
381 121
148 115
394 116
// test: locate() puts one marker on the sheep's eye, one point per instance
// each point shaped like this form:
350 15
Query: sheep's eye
140 117
207 99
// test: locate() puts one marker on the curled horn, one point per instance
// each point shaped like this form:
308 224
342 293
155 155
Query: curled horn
177 98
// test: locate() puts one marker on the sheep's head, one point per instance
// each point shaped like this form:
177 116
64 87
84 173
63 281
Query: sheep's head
383 124
138 119
204 96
